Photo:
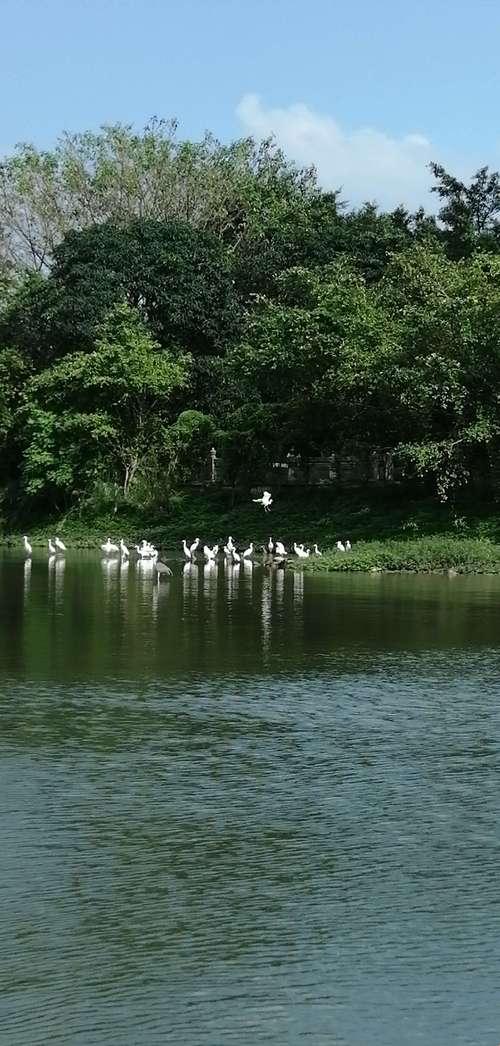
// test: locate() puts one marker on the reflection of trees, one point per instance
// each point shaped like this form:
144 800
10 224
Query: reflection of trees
221 619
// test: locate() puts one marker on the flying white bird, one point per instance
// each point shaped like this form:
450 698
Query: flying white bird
317 551
61 547
194 546
52 547
27 547
348 545
280 549
266 500
248 551
123 548
340 547
108 547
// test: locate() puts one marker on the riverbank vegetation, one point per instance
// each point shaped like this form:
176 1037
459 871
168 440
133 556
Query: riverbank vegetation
389 528
158 297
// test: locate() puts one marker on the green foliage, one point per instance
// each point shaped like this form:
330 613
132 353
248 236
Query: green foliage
470 213
179 278
99 414
189 441
425 555
240 192
159 296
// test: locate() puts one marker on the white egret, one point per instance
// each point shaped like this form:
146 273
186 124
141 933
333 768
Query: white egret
194 546
348 545
280 549
340 547
60 546
228 551
123 548
52 548
144 549
27 547
186 549
210 553
108 547
248 551
266 500
270 546
236 556
300 551
230 543
317 551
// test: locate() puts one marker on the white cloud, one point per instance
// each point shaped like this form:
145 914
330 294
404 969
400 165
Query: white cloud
366 164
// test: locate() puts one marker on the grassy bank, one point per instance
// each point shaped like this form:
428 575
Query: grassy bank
389 530
438 553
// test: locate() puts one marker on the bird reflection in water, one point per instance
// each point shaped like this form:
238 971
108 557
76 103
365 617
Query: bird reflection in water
145 576
232 577
266 612
298 586
27 578
59 568
159 595
280 586
190 579
210 574
109 566
190 571
124 581
109 569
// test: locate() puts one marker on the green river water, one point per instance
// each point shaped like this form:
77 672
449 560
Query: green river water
247 807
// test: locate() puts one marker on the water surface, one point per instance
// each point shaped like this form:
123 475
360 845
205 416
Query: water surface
247 807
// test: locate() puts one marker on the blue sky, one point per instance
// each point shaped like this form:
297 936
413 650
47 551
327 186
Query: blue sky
368 90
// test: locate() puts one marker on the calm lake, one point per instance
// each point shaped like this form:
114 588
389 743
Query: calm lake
247 807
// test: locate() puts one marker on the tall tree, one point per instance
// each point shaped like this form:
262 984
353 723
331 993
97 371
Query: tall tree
470 213
118 175
178 277
100 414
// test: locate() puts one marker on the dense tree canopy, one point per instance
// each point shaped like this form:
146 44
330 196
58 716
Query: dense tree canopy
159 295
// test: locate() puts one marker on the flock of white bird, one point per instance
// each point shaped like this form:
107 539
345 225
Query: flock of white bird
56 546
276 549
146 551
